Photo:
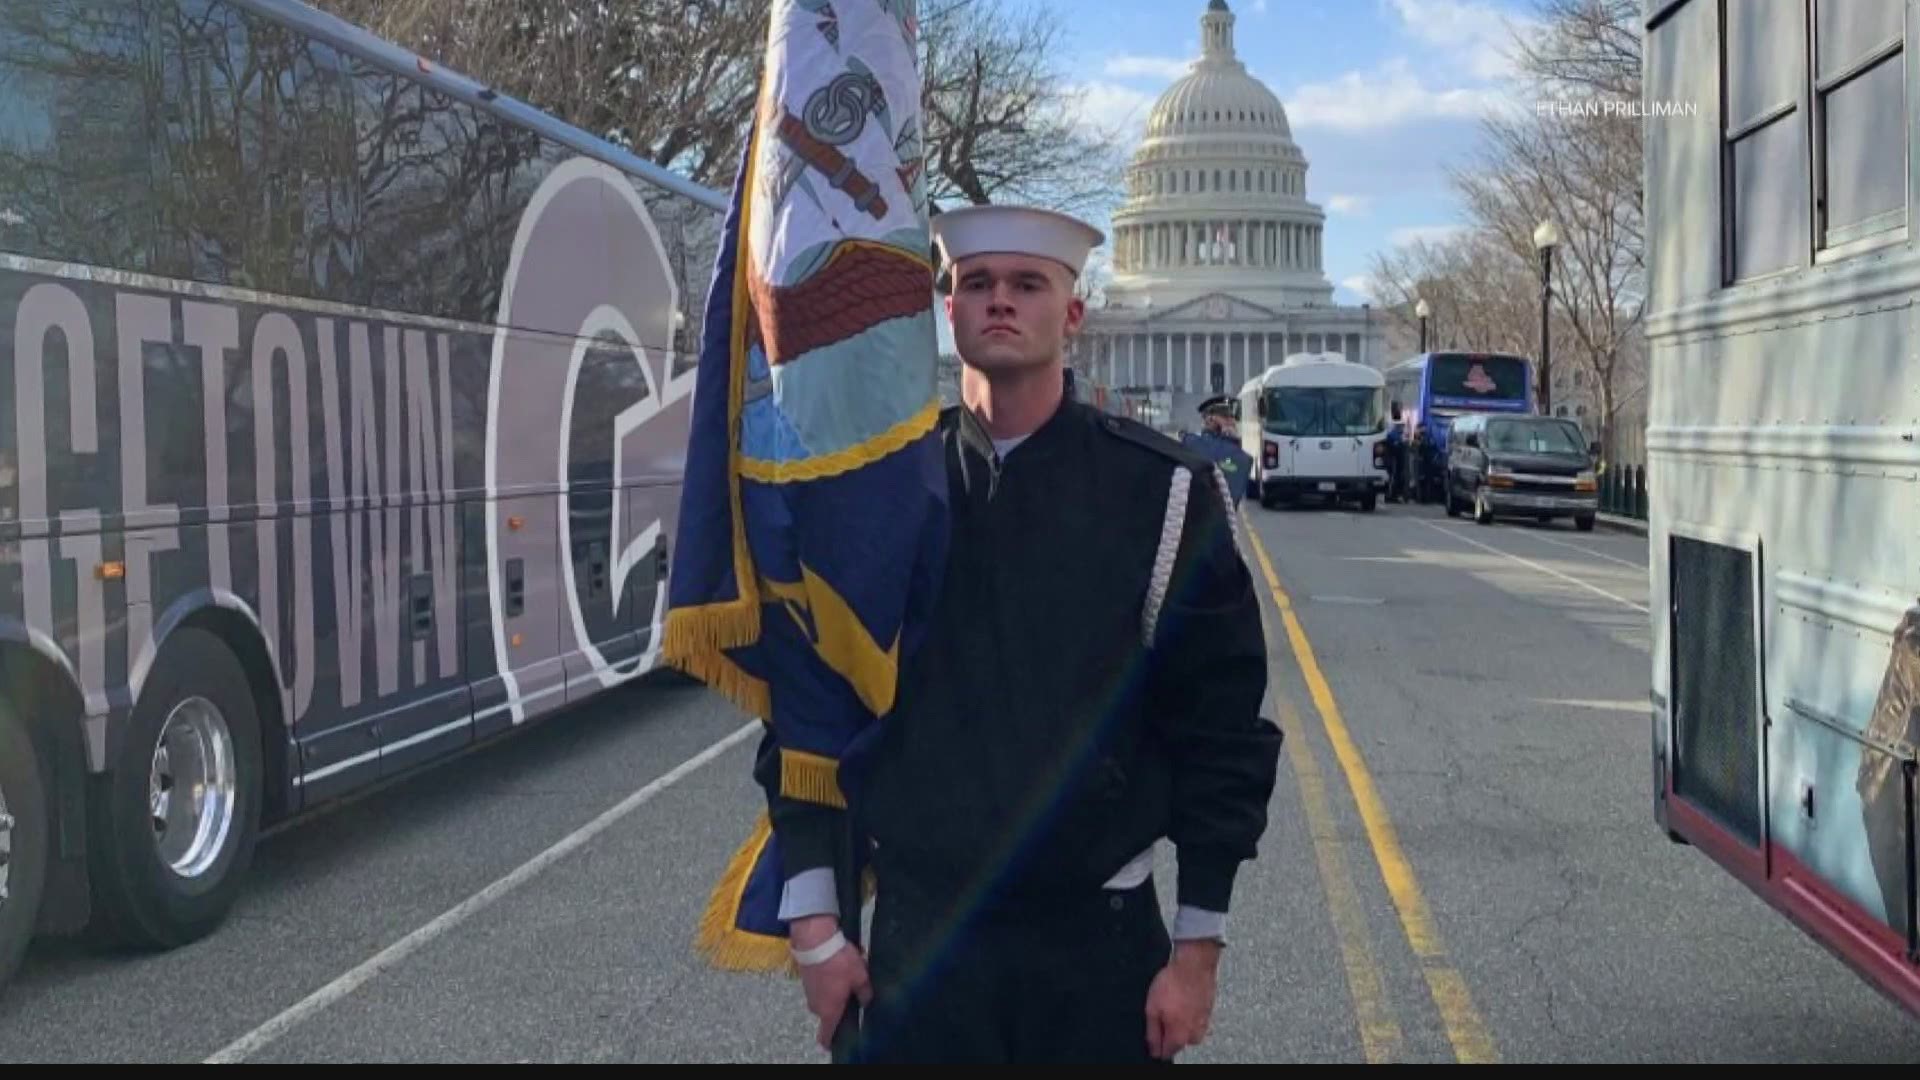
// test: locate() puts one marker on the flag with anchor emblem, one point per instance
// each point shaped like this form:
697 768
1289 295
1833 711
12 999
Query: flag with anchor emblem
813 521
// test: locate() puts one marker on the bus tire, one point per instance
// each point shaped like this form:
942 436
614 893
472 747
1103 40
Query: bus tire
24 838
176 820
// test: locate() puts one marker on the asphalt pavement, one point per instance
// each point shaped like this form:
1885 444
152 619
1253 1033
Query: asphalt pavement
1461 866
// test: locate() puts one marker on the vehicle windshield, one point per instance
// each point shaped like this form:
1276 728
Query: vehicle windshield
1534 437
1467 377
1333 410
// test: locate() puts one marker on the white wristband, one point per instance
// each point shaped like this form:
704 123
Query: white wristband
822 952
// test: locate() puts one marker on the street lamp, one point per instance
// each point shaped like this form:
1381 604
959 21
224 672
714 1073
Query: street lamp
1423 309
1546 237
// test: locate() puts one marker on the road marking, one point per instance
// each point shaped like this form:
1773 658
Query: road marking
1381 559
1380 1034
1603 706
1628 563
1466 1030
1364 601
1455 533
320 1000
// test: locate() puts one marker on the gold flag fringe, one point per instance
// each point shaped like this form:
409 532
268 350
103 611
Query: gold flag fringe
722 943
811 778
695 640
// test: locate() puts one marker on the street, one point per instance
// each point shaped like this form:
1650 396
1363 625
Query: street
1461 864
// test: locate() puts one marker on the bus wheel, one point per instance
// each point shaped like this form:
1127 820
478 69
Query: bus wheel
23 841
179 810
1368 502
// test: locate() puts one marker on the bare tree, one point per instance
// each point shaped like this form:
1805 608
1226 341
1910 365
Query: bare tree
1580 169
672 80
1590 45
1001 121
676 80
1569 170
1478 292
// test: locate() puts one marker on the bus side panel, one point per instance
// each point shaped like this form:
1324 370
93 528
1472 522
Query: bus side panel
1799 447
1681 177
523 529
297 467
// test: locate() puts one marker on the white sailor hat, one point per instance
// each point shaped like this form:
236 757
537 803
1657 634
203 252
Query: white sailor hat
1023 230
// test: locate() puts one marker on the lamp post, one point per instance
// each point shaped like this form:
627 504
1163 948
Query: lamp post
1546 237
1423 309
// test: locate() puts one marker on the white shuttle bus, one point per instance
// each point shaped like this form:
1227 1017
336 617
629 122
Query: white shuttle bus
1316 425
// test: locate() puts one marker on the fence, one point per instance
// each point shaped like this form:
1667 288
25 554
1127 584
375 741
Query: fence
1623 490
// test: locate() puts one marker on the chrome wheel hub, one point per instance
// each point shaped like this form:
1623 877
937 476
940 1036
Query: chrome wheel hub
191 787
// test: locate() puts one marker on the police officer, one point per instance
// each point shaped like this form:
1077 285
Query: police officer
1219 442
1091 685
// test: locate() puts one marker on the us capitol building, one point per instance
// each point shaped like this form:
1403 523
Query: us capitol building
1217 250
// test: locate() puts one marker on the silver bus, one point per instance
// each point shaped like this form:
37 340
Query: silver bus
343 411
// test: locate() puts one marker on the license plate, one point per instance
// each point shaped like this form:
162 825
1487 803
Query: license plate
1327 487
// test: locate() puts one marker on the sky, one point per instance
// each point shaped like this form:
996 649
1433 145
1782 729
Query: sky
1381 95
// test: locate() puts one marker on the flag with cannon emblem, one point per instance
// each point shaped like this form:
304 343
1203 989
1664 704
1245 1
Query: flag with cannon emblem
813 521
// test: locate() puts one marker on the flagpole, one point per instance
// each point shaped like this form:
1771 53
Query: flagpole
846 877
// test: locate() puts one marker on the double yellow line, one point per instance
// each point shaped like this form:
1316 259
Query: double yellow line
1380 1034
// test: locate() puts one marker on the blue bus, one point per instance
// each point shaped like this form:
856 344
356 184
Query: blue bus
1434 387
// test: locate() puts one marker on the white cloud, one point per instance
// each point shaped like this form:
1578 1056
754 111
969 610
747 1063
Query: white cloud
1428 234
1359 284
1347 204
1167 68
1113 107
1480 33
1389 95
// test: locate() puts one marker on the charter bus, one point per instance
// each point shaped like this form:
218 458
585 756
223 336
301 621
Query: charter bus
344 413
1433 387
1316 425
1784 455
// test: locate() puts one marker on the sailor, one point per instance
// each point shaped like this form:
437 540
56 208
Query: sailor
1090 686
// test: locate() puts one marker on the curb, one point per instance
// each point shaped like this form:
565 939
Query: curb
1623 524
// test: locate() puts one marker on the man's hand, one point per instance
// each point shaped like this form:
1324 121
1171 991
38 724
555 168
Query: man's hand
1180 1002
831 983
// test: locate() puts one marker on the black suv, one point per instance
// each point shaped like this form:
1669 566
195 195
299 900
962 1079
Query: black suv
1521 466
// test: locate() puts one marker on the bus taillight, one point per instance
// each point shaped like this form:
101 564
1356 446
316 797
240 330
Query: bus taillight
1269 454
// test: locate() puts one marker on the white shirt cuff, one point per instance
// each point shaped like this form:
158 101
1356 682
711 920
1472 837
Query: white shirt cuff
1199 924
810 892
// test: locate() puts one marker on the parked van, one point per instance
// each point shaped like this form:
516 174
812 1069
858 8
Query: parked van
1523 466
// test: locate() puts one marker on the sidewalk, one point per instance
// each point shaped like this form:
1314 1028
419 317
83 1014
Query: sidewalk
1623 524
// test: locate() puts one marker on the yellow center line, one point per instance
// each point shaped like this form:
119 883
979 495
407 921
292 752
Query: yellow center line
1379 1032
1472 1042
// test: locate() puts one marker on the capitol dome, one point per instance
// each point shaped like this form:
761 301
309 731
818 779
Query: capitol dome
1217 272
1217 192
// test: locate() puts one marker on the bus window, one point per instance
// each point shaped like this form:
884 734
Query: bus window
1339 410
73 133
1467 376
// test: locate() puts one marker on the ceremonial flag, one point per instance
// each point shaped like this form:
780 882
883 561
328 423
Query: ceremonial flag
813 521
